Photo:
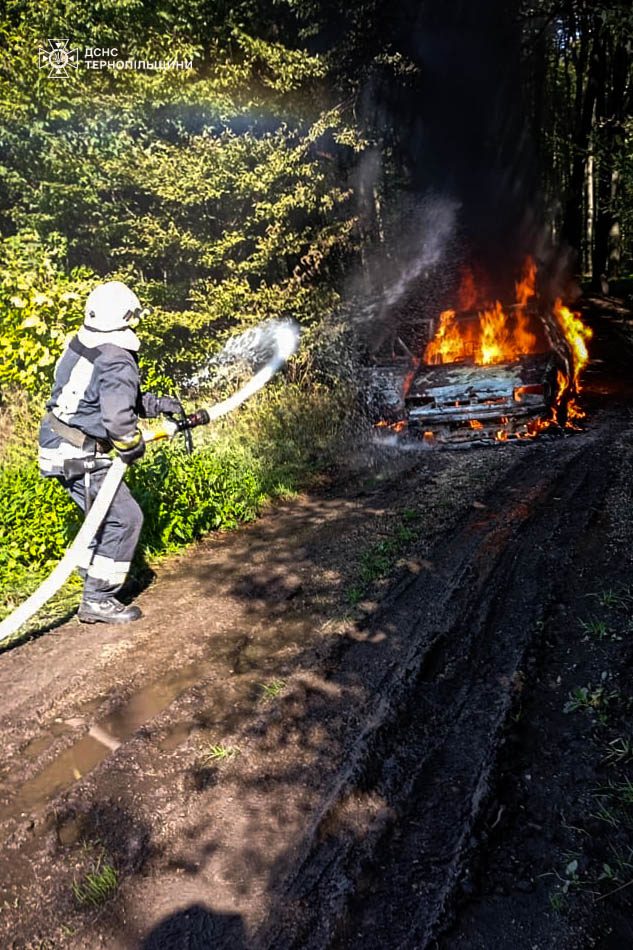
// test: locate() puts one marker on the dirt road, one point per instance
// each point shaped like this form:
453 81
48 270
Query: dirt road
393 713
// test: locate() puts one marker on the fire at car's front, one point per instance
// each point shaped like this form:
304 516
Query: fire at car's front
495 373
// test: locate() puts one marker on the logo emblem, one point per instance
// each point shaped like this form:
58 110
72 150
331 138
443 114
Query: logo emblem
58 58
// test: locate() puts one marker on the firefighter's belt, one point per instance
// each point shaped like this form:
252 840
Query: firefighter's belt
87 443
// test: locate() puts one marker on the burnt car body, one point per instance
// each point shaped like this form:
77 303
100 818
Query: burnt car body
466 402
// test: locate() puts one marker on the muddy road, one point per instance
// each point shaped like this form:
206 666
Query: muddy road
392 713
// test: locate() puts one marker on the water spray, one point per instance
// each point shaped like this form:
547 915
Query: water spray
280 338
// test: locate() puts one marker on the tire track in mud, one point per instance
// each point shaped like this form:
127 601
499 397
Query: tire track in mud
381 859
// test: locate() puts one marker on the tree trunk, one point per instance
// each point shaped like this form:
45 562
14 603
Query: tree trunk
590 212
592 61
614 239
613 107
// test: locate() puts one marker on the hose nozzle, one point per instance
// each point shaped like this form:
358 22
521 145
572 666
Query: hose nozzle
198 418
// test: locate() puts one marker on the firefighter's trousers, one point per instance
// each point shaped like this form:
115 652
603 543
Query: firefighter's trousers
114 545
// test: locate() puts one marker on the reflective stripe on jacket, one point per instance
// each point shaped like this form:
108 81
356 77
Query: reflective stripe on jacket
96 390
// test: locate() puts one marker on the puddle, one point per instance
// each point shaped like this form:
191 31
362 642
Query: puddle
245 659
176 736
61 727
41 744
69 832
227 720
103 738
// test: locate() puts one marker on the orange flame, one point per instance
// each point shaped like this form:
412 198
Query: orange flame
498 335
450 344
499 338
394 426
576 335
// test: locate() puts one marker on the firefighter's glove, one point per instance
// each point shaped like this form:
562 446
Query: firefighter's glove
169 405
130 447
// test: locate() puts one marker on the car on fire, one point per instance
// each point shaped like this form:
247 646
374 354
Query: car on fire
490 373
463 401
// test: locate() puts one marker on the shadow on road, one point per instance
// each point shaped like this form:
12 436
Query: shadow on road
198 928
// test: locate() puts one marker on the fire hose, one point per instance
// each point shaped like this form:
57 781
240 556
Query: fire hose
285 339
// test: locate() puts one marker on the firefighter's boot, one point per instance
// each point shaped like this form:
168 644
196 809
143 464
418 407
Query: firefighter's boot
108 610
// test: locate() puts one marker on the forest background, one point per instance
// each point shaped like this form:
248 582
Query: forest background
297 159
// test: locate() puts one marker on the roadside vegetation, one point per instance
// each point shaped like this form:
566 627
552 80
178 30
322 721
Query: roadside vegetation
97 885
268 451
271 178
378 560
599 862
212 195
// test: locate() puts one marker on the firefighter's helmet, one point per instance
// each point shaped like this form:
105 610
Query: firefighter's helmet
110 307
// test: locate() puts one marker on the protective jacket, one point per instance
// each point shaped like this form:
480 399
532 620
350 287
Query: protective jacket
96 394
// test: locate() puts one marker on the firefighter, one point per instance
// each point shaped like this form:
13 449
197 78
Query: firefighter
95 407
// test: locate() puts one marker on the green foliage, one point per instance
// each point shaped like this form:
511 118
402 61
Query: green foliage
97 886
219 753
215 191
589 699
273 689
184 496
19 423
265 451
620 750
378 560
39 304
38 519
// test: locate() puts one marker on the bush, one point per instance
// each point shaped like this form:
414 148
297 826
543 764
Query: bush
40 307
182 497
185 496
38 519
266 450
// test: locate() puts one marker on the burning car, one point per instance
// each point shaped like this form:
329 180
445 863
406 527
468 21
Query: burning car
495 372
464 402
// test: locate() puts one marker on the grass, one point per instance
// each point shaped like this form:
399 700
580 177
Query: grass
568 879
621 792
620 598
273 689
220 753
622 863
379 559
611 599
614 807
96 886
605 814
620 751
557 900
598 629
589 699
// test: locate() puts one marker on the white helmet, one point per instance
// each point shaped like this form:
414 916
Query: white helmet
111 311
111 306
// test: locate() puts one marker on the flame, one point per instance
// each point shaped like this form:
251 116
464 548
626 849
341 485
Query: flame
449 345
526 287
413 372
504 335
525 290
500 337
394 426
577 335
